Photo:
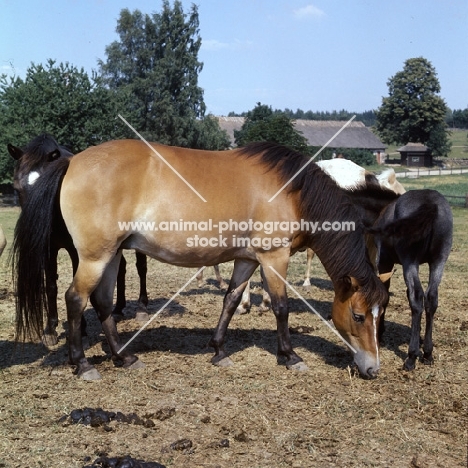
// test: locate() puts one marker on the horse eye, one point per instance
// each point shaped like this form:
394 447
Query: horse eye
358 317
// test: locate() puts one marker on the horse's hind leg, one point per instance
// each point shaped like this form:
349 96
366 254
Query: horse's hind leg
243 270
222 283
431 302
121 300
142 269
87 278
415 295
310 256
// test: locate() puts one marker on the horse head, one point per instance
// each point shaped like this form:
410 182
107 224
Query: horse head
32 160
357 321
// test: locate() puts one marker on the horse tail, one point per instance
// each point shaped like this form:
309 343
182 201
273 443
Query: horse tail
413 227
31 249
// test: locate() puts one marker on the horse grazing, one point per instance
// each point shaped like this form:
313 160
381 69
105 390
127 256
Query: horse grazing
129 181
413 230
31 162
348 175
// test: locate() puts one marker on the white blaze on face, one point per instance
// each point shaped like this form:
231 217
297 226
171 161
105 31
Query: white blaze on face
375 315
32 177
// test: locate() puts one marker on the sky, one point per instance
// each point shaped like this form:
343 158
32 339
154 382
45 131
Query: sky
319 55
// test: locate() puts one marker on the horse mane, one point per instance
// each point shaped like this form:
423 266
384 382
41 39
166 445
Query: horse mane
321 199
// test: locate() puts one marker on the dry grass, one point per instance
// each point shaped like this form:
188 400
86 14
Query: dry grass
272 417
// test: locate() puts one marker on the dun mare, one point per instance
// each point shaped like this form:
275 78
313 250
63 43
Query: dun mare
413 230
31 161
127 181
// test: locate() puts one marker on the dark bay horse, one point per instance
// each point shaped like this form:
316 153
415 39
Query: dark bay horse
31 161
98 192
413 230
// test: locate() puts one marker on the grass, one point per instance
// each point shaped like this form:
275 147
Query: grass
458 138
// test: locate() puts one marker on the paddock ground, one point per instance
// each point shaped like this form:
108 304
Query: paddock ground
255 414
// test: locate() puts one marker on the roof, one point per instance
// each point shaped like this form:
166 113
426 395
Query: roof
319 132
413 148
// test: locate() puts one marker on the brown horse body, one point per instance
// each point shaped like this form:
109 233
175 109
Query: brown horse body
128 182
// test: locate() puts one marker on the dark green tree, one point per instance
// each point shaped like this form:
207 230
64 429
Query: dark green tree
262 124
59 99
413 110
154 68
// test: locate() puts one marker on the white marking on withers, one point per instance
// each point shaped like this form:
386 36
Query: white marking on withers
375 314
32 177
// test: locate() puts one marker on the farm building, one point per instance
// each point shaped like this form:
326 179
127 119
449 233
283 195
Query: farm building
415 155
318 132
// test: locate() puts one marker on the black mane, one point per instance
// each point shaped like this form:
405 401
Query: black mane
341 252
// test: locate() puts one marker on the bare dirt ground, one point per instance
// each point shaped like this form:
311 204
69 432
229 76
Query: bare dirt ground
256 413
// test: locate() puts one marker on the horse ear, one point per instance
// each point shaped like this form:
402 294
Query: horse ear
346 287
53 155
384 277
15 152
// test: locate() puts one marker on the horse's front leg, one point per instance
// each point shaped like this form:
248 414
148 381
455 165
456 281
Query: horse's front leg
274 277
415 295
243 270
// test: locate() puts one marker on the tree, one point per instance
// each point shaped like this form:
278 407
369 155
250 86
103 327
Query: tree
58 99
413 111
262 124
154 68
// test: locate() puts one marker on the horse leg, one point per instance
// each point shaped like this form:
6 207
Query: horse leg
310 256
415 295
101 299
200 278
244 306
265 306
243 270
49 337
222 283
142 268
87 277
279 302
431 302
121 300
384 266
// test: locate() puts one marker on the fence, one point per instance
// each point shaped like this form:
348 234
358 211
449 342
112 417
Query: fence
457 200
422 171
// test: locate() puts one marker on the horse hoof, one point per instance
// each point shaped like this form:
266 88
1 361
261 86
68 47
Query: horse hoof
142 316
409 365
241 310
224 362
136 365
299 366
49 340
91 374
427 361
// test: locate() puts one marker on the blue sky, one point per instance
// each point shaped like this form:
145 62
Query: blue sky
314 55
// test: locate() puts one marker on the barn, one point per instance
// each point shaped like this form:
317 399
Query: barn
318 132
415 155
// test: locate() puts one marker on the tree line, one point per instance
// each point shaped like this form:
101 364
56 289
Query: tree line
150 77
